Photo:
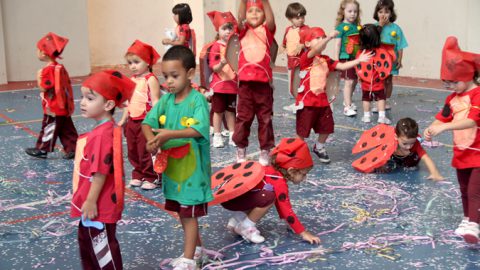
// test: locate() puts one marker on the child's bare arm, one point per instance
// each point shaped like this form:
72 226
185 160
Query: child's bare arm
155 92
89 207
123 120
269 18
399 59
321 45
179 41
39 81
242 10
363 57
218 67
338 45
434 130
434 173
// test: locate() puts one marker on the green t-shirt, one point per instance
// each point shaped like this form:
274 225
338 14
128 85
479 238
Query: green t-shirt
186 180
344 30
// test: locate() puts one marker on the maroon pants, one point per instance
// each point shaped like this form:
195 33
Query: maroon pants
54 127
469 180
251 199
138 155
99 249
254 99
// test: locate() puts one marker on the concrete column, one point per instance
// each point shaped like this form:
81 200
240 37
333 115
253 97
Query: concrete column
3 60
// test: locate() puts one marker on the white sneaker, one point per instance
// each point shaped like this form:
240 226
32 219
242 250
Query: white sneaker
349 111
366 119
218 141
353 106
241 155
290 108
264 158
184 264
211 131
384 120
251 234
460 230
232 223
225 133
230 140
135 183
197 257
471 232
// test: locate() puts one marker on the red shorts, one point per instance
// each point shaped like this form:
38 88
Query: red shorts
373 95
318 118
224 102
252 199
349 74
187 211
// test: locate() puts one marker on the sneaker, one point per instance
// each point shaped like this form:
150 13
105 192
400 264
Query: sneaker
366 119
69 155
353 106
218 141
384 120
460 230
211 131
471 232
135 183
264 158
148 185
34 152
251 234
225 133
230 140
241 155
290 108
349 111
184 264
321 154
197 257
232 223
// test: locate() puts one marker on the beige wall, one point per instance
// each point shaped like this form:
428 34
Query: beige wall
3 65
26 21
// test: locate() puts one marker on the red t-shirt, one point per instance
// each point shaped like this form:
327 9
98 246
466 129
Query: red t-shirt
466 151
183 30
291 39
311 79
282 201
254 58
224 81
98 158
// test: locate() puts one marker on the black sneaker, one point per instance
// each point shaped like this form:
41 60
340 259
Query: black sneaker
34 152
321 154
69 155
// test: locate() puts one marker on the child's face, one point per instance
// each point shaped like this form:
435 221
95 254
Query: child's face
255 16
94 105
405 143
224 32
42 56
350 13
458 87
298 21
313 42
176 76
384 13
176 18
136 65
297 175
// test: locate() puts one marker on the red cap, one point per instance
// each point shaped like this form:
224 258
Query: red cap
146 52
458 65
112 85
220 18
254 3
52 44
292 153
311 33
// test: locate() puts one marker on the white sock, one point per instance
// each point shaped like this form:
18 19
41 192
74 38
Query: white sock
239 216
247 223
319 145
381 114
366 114
217 134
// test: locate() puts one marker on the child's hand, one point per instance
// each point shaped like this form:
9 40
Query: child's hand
121 123
166 41
365 57
152 148
312 239
333 34
298 49
89 210
159 139
434 130
426 134
383 20
398 64
435 177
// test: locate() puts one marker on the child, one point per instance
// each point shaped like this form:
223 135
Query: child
348 23
385 15
184 116
312 102
409 151
373 74
98 185
57 100
295 13
184 35
461 114
255 92
291 161
224 80
141 57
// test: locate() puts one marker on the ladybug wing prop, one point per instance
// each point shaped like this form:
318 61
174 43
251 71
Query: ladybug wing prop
332 90
378 68
295 81
193 42
380 137
235 180
63 90
232 52
273 53
205 70
175 149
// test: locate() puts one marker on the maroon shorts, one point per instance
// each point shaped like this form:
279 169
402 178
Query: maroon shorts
318 118
252 199
187 211
349 74
224 102
373 95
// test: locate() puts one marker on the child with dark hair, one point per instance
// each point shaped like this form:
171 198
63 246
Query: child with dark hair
185 36
295 13
178 125
385 15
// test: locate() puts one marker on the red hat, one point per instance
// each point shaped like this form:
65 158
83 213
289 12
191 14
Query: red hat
458 65
254 3
220 18
112 85
311 33
52 44
146 52
292 153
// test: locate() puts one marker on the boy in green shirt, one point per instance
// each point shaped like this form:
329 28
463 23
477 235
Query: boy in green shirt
177 130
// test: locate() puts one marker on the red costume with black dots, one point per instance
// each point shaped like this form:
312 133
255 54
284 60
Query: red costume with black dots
183 30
